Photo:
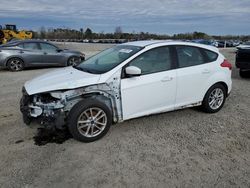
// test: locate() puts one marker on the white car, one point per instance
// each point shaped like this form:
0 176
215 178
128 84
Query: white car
128 81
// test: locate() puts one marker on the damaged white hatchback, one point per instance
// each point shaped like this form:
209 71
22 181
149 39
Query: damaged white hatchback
127 81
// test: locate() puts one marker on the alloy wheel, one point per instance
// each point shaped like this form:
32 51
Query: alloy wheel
16 65
92 122
216 98
73 61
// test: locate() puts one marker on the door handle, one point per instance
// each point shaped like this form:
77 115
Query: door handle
21 52
205 71
167 78
45 53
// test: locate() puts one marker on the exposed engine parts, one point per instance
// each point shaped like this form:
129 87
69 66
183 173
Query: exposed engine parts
51 108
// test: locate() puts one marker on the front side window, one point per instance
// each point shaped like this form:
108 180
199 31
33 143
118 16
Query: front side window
30 46
108 59
47 47
152 61
189 56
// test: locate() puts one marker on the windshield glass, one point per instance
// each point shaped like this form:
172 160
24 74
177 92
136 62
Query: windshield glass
108 59
9 44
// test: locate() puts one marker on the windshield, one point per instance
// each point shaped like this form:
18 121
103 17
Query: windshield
108 59
9 44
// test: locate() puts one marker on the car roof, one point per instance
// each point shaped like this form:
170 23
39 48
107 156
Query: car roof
32 40
145 43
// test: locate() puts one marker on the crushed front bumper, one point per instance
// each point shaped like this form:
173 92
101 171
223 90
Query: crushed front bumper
44 114
24 108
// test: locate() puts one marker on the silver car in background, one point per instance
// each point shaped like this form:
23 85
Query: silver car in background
18 55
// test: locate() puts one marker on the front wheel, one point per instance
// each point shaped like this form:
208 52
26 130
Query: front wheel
214 98
89 120
74 61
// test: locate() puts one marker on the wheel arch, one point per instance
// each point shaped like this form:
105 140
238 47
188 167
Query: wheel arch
219 82
103 98
100 97
11 57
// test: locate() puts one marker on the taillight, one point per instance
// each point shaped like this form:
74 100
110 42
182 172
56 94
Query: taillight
226 64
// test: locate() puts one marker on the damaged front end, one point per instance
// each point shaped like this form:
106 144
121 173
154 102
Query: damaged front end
50 109
44 108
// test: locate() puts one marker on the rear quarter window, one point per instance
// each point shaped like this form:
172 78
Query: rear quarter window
211 56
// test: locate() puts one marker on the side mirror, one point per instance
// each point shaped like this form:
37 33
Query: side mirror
132 71
59 50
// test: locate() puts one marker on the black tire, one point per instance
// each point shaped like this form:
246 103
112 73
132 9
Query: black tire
206 107
244 74
78 111
15 64
73 61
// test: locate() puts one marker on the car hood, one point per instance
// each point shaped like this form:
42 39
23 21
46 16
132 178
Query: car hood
64 78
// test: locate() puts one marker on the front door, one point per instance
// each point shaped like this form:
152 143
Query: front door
51 55
155 89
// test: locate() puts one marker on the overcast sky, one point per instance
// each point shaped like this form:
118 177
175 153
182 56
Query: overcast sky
154 16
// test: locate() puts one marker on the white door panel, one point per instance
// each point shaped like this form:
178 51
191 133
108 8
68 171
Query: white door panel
148 94
191 83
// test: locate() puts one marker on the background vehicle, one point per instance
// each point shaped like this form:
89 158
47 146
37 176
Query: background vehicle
10 33
128 81
207 42
244 45
17 55
242 61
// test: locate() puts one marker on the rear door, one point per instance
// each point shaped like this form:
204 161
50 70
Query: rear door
51 55
31 53
192 75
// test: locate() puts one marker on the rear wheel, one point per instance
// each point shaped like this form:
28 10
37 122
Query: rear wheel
73 61
15 64
214 98
89 120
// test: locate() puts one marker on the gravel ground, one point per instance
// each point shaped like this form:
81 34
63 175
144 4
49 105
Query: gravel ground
185 148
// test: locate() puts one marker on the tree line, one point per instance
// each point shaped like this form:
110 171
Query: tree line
67 33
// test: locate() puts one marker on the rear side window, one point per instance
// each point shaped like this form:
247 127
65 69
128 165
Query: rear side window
189 56
212 56
30 46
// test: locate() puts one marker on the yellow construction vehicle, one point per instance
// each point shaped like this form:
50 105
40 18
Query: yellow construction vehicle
10 32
